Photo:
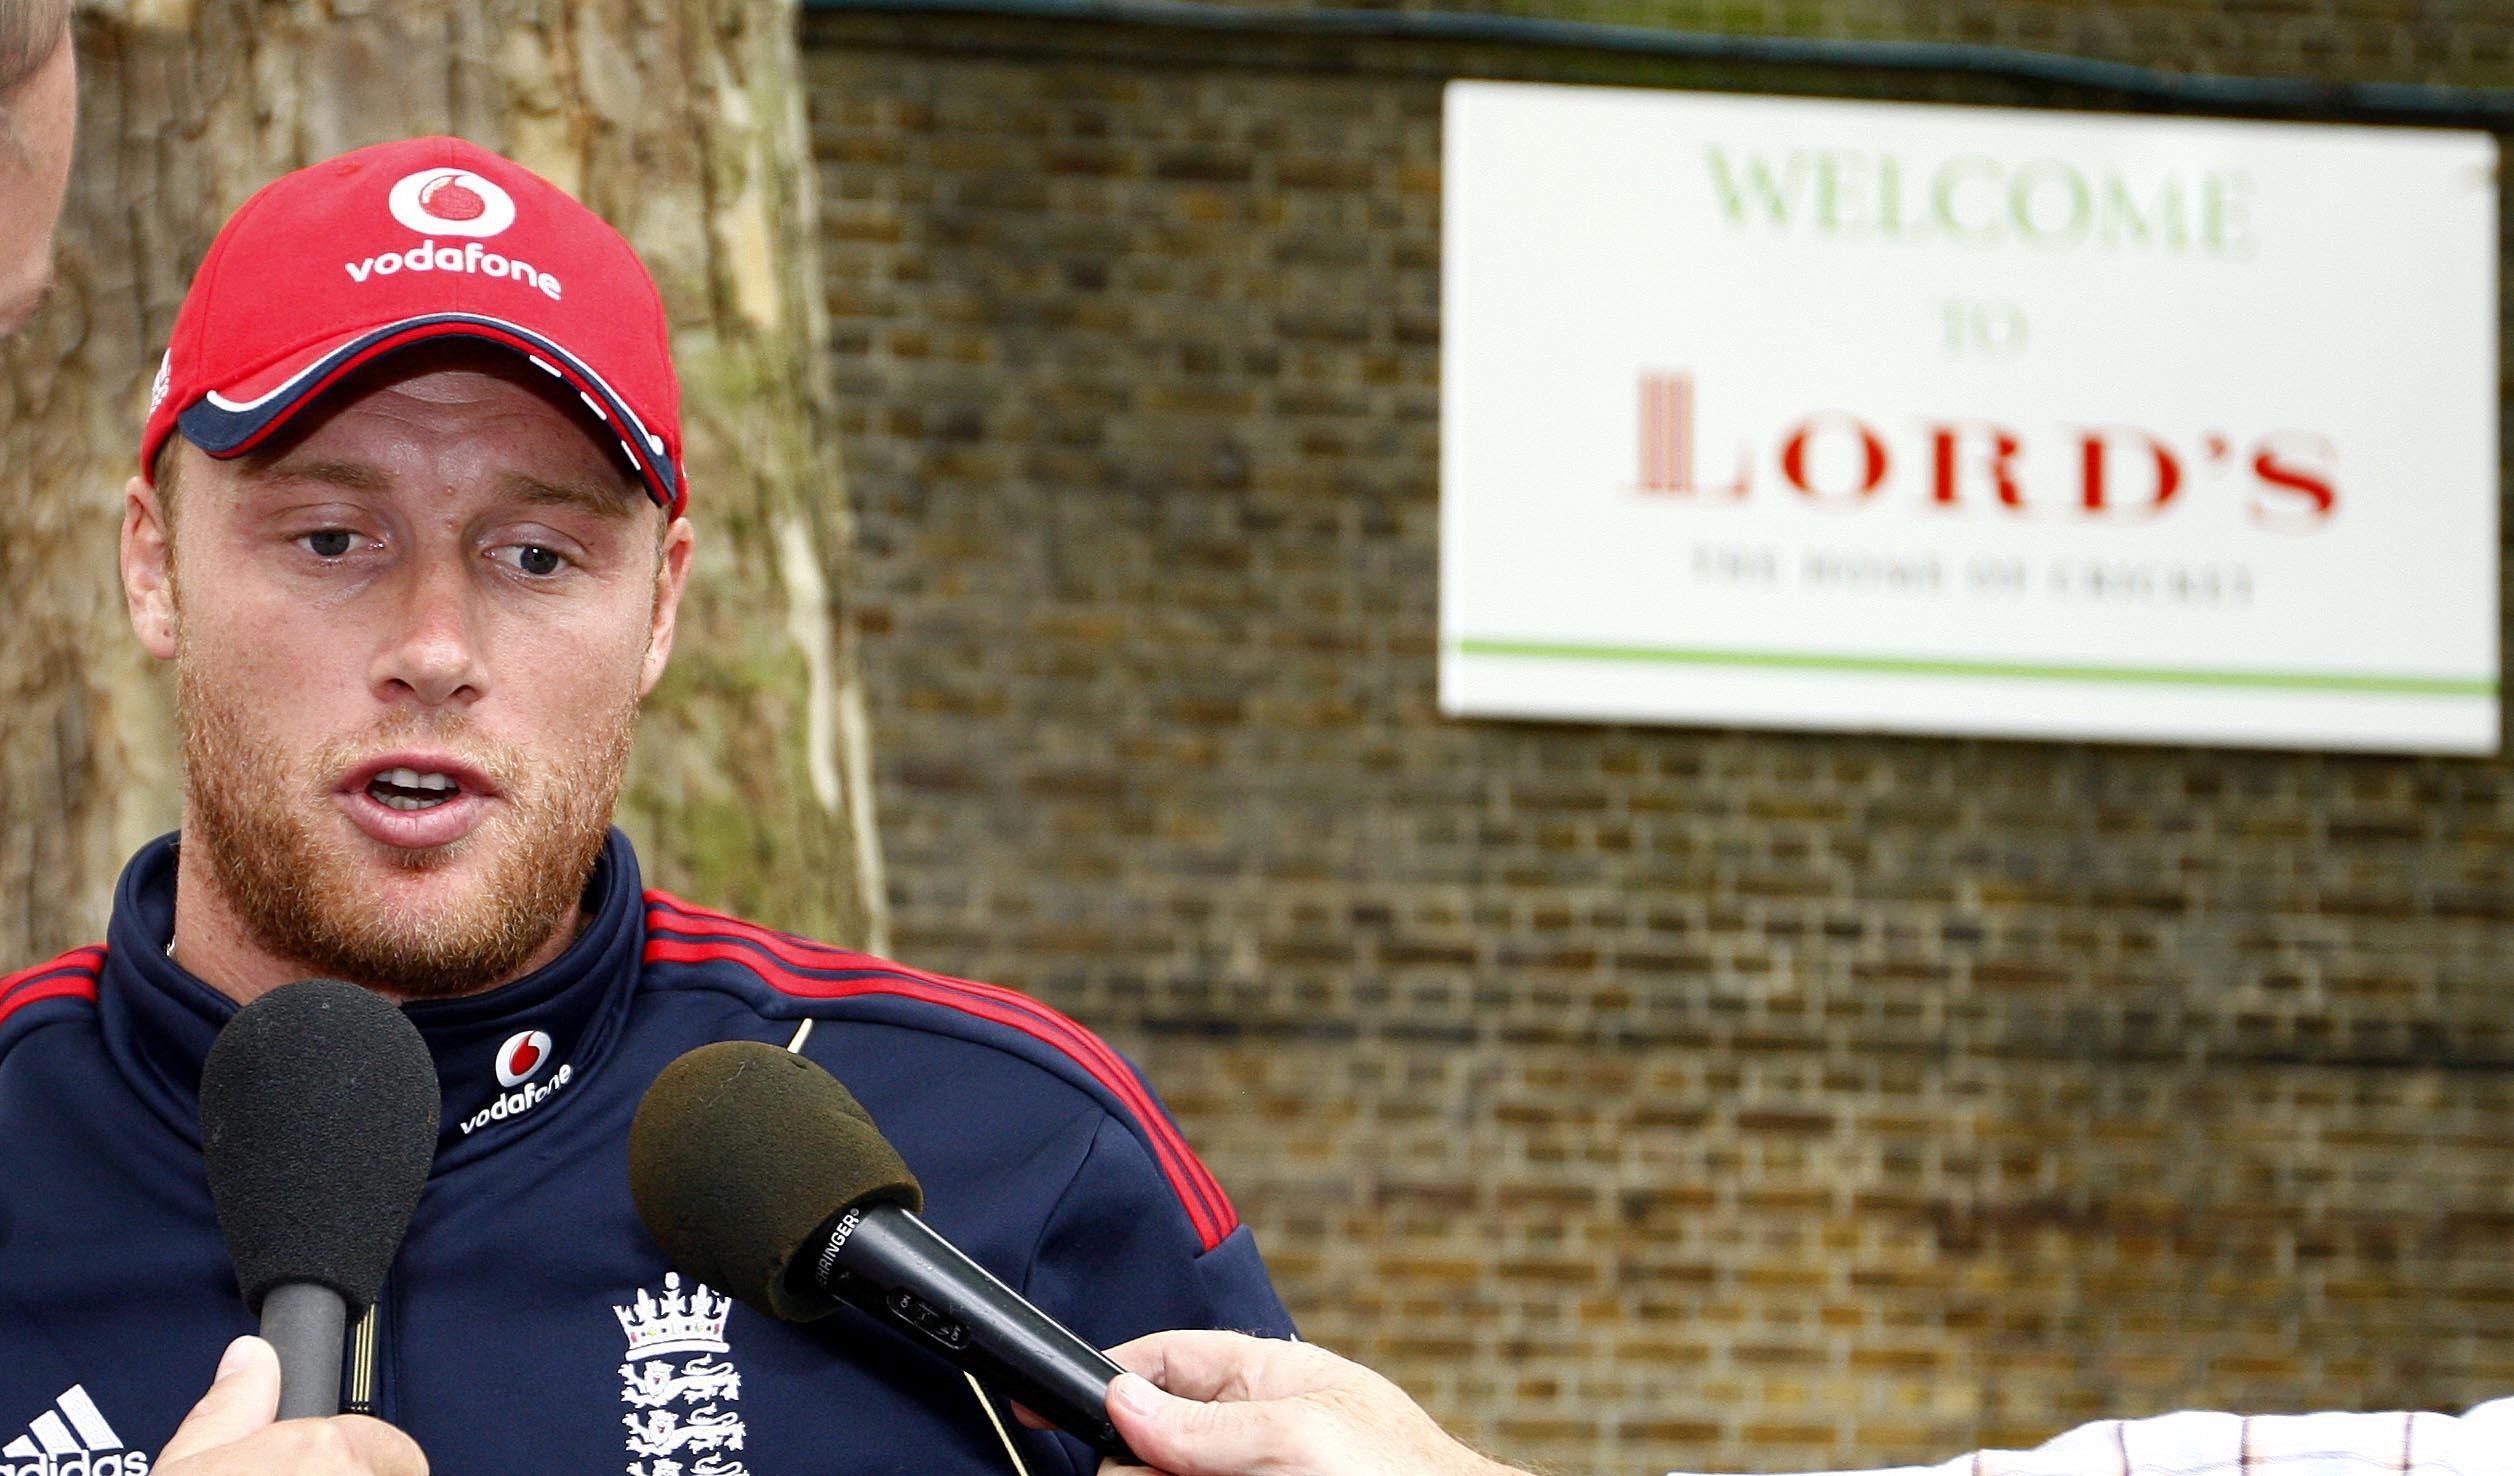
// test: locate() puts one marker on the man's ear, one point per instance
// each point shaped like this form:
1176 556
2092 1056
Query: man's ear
148 569
672 570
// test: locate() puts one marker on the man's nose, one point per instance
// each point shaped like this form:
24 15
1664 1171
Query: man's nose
431 651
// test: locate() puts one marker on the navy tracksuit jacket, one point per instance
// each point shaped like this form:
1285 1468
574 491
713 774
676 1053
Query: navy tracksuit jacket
529 1326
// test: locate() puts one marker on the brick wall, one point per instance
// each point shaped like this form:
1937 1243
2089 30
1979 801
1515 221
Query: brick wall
1638 1097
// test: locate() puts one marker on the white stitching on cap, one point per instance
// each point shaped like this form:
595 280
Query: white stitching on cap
233 407
629 414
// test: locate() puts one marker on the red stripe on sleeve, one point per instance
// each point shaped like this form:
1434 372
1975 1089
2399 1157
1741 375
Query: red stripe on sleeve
72 975
1208 1208
90 958
1172 1154
1198 1190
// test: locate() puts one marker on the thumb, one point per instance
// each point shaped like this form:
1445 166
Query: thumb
241 1399
1188 1437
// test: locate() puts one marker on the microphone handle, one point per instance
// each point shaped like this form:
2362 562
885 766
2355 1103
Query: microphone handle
308 1325
886 1261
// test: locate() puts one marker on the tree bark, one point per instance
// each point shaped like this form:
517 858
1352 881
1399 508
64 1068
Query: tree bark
680 121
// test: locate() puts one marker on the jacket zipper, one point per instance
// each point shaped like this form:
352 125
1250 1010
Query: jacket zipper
358 1381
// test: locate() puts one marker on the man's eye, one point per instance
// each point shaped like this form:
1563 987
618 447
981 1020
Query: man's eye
533 559
331 543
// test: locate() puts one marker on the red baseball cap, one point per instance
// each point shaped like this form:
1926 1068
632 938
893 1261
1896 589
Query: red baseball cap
330 267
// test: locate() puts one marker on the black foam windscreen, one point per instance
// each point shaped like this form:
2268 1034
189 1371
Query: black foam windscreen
319 1121
740 1153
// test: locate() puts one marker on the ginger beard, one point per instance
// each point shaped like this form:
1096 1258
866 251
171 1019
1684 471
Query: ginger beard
300 880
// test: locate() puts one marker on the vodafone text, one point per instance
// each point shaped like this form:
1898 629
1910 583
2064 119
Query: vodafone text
2288 479
514 1104
471 257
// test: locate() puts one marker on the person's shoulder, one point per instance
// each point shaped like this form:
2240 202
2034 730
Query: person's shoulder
788 976
935 1019
50 991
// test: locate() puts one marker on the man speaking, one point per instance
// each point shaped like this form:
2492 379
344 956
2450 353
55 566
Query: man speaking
412 532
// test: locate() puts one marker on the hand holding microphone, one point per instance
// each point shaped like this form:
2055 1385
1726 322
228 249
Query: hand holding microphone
319 1116
232 1431
1222 1404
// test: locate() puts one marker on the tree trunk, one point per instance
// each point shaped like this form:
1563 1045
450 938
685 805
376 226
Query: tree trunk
680 121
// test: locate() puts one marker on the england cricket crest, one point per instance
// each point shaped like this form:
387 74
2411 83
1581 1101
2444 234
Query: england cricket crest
679 1385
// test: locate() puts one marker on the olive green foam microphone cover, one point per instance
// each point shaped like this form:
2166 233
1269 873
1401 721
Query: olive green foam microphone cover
740 1154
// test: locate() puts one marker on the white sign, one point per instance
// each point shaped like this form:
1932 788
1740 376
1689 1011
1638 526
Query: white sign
1966 420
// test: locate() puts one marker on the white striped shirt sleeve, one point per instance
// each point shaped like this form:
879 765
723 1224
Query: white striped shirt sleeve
2196 1443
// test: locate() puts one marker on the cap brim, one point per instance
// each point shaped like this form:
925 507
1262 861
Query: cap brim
232 421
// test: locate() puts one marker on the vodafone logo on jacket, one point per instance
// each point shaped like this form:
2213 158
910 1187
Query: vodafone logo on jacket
524 1053
451 202
524 1056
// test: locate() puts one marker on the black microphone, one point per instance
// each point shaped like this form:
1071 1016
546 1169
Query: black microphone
761 1176
318 1123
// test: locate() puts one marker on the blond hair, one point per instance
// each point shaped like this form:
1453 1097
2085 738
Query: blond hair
30 32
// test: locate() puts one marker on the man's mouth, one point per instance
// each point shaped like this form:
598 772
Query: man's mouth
412 789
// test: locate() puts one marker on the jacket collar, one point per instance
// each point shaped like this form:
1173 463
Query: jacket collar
507 1061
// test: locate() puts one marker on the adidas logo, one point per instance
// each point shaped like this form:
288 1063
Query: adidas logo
72 1438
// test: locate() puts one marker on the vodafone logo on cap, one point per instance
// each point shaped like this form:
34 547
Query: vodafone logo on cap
525 1052
440 203
451 202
